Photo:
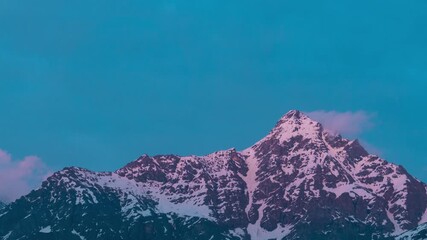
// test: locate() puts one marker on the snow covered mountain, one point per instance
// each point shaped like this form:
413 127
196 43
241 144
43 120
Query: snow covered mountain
2 205
298 182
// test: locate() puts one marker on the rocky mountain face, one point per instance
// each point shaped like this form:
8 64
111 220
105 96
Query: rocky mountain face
298 182
2 205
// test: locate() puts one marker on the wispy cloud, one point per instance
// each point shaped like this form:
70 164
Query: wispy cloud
18 177
346 123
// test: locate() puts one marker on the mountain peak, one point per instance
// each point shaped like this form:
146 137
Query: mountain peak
294 113
296 117
296 123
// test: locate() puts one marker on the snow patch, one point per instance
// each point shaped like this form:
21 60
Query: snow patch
257 232
6 237
250 178
78 234
397 229
184 208
238 232
352 189
47 229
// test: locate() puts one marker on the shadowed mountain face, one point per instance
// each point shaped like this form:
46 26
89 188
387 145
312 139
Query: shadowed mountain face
298 182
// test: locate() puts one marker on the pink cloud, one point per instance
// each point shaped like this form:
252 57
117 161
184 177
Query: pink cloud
18 177
346 123
4 157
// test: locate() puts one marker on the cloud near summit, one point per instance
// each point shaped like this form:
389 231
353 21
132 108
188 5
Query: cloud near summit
345 123
18 177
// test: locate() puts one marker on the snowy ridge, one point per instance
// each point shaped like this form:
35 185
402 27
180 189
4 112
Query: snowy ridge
132 192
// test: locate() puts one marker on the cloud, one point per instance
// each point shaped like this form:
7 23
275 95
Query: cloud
18 177
345 123
4 157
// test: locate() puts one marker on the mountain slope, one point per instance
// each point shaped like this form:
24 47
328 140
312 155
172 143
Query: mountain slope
419 233
298 182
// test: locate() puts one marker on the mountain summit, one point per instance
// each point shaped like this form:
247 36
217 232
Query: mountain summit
298 182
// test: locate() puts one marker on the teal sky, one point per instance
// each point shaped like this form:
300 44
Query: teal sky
98 83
